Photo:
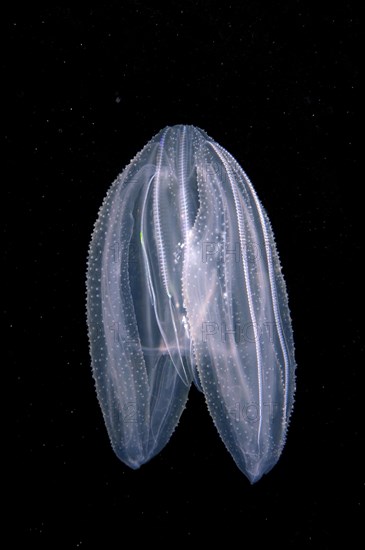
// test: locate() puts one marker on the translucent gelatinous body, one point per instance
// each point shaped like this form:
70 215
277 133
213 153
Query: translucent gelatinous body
184 285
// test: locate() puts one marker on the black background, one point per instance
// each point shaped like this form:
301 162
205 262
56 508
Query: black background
276 85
